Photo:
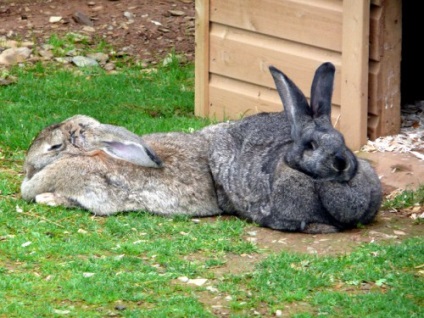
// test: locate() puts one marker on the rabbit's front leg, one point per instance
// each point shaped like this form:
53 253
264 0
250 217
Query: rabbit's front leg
355 201
55 199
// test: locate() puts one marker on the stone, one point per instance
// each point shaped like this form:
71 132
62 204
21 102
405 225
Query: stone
55 19
81 18
83 61
102 58
13 56
176 12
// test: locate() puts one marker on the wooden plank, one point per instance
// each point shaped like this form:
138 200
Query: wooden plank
232 99
354 86
317 23
374 89
201 103
389 75
245 56
377 2
376 33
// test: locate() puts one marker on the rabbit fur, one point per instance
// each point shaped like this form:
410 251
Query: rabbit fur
107 169
291 170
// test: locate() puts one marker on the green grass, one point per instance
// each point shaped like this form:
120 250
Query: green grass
143 101
59 262
407 198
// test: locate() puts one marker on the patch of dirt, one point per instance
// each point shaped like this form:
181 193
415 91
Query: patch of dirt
144 29
148 30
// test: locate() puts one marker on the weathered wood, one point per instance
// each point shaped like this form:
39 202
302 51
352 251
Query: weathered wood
354 86
232 99
202 58
376 29
297 20
245 56
388 74
236 41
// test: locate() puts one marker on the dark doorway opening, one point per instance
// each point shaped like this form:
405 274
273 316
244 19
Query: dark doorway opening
412 65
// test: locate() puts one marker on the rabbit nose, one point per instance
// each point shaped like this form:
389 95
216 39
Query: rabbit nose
340 163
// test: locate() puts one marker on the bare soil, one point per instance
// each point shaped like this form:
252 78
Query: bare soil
145 29
148 30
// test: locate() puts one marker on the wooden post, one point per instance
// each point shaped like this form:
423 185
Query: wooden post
354 73
201 106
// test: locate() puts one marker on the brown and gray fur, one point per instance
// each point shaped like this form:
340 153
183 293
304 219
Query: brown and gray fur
107 169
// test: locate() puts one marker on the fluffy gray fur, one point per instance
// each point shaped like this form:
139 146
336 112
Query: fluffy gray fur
107 169
291 170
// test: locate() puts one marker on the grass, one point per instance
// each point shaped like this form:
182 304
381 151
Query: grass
57 262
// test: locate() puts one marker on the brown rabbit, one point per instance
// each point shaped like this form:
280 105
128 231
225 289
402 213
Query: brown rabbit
107 169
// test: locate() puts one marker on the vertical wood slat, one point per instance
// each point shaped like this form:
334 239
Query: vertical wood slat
388 102
201 98
354 74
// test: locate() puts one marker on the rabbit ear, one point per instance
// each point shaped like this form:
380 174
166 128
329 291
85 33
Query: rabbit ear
322 90
135 153
89 134
294 101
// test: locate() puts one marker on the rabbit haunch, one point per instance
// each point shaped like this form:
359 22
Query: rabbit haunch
292 170
107 169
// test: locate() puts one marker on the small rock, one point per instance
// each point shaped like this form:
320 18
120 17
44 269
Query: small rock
129 15
82 61
197 281
86 275
88 28
81 18
63 60
97 8
55 19
3 82
13 56
183 279
14 44
46 54
212 289
73 52
176 12
26 244
120 307
99 57
109 67
278 313
61 312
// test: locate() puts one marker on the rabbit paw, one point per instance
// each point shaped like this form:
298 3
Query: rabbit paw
47 198
320 228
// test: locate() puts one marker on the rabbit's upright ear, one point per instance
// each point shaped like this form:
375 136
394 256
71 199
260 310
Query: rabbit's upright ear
294 102
322 91
135 153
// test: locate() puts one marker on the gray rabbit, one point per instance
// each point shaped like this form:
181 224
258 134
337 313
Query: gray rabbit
291 170
107 169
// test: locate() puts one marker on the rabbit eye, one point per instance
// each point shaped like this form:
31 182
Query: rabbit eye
55 147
